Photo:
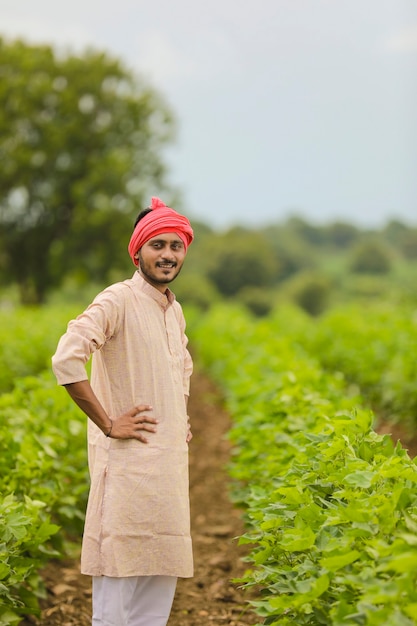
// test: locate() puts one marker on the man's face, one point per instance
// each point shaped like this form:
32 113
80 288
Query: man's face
160 259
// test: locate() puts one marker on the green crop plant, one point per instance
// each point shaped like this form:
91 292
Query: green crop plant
28 337
330 506
373 348
43 487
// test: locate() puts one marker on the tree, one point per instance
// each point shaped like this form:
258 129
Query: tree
311 292
291 250
394 232
306 231
341 235
409 244
80 142
403 237
371 257
240 259
258 300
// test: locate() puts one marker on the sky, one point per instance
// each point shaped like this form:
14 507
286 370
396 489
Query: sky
283 107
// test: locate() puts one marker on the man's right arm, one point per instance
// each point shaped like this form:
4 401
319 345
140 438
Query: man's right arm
84 396
88 333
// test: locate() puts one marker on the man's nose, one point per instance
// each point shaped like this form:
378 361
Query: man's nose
168 254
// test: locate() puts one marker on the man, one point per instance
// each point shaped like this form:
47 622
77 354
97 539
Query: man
137 531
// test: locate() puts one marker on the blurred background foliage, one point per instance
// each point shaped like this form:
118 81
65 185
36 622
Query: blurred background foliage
82 142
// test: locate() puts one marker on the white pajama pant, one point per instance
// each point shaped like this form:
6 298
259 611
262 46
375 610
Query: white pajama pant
132 601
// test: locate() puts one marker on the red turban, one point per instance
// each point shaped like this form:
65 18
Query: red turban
160 220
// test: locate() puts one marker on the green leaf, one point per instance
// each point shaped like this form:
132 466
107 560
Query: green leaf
334 563
401 563
297 540
4 570
360 478
411 610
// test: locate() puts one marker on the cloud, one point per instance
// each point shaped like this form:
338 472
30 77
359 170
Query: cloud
178 57
404 40
162 58
42 30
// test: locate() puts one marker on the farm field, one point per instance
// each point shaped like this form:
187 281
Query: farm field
331 506
300 434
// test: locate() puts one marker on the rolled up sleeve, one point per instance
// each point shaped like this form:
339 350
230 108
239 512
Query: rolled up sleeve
86 334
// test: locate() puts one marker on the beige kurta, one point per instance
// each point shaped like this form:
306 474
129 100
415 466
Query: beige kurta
138 521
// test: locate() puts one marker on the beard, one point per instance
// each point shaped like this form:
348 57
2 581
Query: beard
158 273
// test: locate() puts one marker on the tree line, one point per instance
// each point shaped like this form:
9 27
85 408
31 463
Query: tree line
311 265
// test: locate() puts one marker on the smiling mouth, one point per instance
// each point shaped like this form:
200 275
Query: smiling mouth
166 266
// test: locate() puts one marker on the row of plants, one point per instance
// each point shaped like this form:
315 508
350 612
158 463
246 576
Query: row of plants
43 466
43 488
331 506
28 338
373 347
285 406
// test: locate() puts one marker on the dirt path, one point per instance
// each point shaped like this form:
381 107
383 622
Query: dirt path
208 598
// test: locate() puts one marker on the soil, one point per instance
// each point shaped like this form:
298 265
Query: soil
209 598
398 433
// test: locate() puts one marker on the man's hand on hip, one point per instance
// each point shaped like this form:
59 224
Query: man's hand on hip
132 424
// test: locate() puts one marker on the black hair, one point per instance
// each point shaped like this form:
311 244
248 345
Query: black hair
141 215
